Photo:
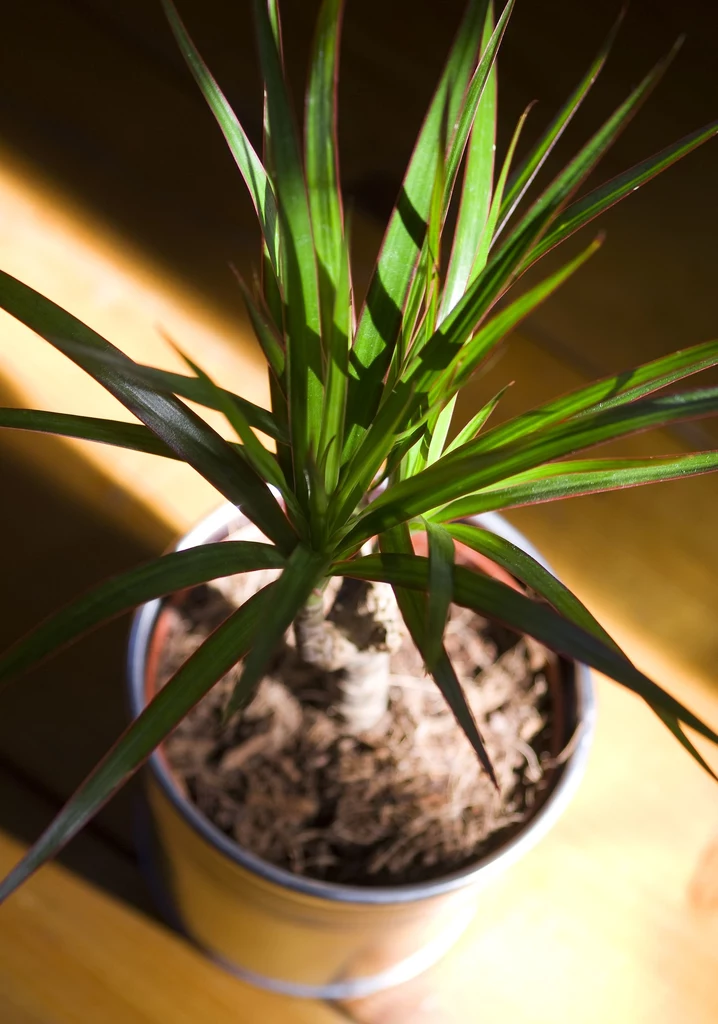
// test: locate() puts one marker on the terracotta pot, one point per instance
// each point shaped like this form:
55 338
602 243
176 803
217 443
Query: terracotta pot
310 938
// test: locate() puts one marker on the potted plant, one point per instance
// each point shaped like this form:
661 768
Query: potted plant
301 617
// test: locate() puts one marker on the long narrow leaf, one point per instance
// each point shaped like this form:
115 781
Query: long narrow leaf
533 163
498 601
672 723
380 319
441 586
298 271
440 433
510 260
265 464
301 574
165 575
499 326
477 186
261 460
489 231
194 390
250 166
87 428
606 196
222 649
271 290
265 332
471 103
463 472
574 478
365 465
331 440
168 418
170 383
472 428
611 392
522 565
412 607
322 156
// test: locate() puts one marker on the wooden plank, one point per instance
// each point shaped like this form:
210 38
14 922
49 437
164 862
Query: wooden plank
69 954
645 559
607 919
598 919
58 720
25 811
50 245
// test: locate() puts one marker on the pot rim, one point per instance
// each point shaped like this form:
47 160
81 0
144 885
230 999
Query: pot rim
218 525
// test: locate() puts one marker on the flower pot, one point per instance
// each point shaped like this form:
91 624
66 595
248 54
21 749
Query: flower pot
305 937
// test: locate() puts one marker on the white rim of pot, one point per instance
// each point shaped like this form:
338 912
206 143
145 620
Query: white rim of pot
215 527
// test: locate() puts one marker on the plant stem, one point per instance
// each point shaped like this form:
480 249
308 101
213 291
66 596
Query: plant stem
352 644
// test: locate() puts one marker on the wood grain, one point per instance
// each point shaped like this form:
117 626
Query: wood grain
71 955
597 923
613 918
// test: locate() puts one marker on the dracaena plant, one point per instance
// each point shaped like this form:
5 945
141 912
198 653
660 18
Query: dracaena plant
363 396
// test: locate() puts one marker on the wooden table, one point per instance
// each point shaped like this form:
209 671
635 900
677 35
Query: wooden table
71 955
614 917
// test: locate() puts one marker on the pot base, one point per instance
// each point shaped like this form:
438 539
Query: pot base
358 988
300 936
151 860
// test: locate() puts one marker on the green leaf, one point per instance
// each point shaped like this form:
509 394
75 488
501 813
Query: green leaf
322 157
441 587
220 651
516 561
170 383
477 186
470 106
521 181
556 195
611 392
574 478
498 601
261 460
270 342
165 575
432 267
362 469
331 440
271 291
472 428
87 428
303 571
488 233
444 181
265 311
509 261
439 433
249 164
413 610
474 351
264 462
381 318
465 471
402 401
180 428
672 723
605 196
298 268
